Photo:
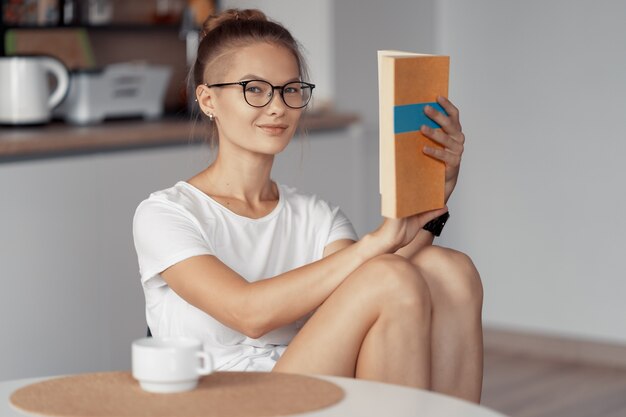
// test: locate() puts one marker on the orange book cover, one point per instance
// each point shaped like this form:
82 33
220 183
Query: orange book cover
410 181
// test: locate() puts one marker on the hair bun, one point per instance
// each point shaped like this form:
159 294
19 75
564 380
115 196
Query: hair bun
231 15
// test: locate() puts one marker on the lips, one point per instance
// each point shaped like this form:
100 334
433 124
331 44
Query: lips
273 129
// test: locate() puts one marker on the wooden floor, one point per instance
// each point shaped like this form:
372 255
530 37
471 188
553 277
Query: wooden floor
519 386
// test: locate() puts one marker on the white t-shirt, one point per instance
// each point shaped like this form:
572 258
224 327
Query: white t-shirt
180 222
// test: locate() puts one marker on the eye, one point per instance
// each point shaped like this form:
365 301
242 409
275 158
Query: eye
254 89
292 89
257 88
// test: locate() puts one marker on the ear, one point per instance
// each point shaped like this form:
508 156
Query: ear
204 95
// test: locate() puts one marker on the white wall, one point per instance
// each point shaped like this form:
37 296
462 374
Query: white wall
542 88
542 91
361 28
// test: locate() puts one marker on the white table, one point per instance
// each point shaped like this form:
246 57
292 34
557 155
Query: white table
363 399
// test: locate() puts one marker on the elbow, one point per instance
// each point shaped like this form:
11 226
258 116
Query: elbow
252 329
251 323
251 315
254 332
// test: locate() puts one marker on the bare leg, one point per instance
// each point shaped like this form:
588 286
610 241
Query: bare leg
375 325
457 343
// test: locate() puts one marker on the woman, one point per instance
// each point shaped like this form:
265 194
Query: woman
273 279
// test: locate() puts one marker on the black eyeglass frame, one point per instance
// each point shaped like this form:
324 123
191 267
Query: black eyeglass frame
243 85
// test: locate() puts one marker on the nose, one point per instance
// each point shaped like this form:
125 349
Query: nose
276 104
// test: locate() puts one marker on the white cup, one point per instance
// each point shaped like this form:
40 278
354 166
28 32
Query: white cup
170 364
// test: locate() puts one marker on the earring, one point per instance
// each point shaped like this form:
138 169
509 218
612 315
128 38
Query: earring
211 117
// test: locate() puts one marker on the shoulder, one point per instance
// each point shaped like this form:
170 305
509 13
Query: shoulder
174 217
180 198
180 203
180 194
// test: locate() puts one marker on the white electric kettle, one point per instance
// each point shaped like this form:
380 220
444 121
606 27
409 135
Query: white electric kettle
25 96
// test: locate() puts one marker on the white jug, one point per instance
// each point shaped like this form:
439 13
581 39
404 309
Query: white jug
25 96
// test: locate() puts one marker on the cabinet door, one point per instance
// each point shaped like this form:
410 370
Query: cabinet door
71 299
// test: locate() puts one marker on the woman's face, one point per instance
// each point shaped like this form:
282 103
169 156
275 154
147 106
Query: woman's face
265 130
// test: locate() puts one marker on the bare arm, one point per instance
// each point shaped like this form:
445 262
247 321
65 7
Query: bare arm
259 307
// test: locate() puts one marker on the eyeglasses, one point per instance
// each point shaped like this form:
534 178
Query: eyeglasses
259 93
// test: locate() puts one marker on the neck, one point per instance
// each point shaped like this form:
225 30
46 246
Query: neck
241 176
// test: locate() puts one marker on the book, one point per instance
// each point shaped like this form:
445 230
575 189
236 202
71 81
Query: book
411 182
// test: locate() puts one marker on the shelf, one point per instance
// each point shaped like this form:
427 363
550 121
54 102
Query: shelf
60 139
112 28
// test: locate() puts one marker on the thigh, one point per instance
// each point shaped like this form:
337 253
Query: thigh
329 343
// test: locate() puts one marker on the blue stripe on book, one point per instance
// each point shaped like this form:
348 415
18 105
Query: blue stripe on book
411 117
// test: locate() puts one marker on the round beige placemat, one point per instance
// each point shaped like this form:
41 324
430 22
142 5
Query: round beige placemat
223 394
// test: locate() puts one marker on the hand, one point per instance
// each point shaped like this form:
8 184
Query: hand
397 233
450 136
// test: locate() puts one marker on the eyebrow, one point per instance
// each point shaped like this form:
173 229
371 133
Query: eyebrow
256 77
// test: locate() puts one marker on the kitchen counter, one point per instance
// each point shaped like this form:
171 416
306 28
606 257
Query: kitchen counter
60 139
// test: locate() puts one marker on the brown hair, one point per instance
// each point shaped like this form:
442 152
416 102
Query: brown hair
225 32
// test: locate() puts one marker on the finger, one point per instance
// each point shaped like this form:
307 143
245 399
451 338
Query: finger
451 159
447 124
451 109
444 139
438 117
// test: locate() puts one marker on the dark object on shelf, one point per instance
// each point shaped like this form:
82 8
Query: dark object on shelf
86 12
70 12
97 12
30 12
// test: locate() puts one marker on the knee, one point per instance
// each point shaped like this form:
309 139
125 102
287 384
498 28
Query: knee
452 276
398 284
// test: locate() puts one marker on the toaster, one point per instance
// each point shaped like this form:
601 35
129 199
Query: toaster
121 90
